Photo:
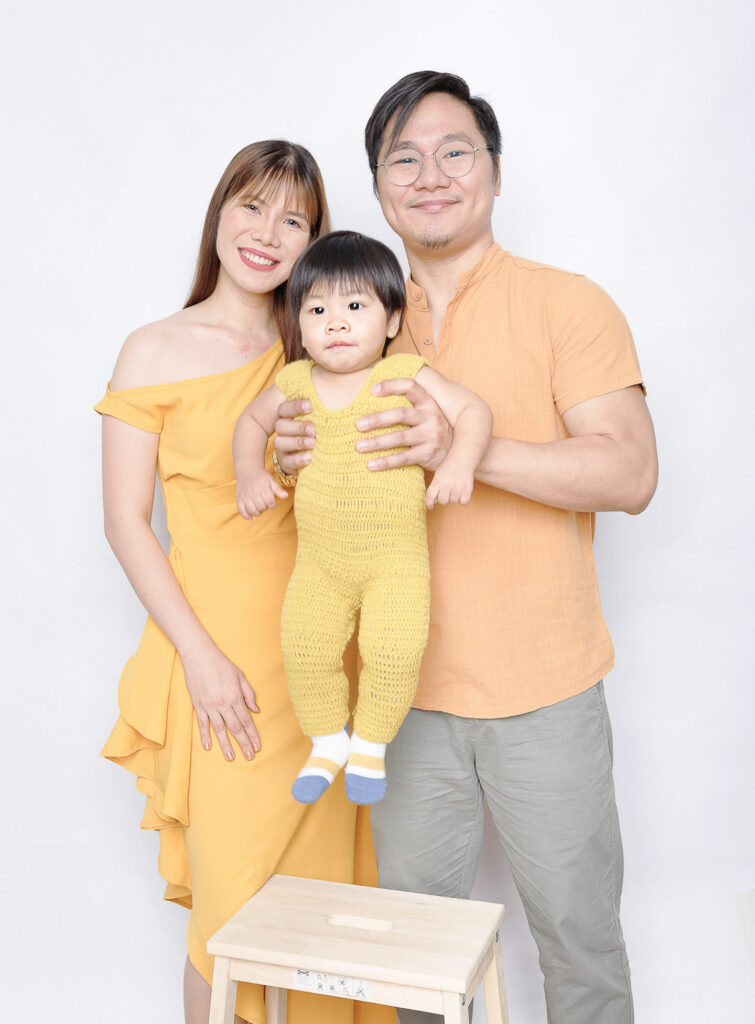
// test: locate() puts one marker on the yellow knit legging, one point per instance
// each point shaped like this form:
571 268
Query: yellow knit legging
392 636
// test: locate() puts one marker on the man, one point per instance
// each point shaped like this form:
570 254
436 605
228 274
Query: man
510 702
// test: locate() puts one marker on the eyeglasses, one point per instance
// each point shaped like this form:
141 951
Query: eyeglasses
454 159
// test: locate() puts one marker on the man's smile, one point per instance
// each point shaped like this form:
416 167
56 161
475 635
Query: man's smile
433 205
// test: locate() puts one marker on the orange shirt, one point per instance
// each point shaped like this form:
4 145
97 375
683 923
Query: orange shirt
515 619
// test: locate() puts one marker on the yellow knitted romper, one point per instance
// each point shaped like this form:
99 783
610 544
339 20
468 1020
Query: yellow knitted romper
362 546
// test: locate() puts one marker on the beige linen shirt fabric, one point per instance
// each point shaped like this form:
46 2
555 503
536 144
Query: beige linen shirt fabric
515 617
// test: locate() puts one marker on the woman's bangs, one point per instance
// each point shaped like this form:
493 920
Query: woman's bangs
299 195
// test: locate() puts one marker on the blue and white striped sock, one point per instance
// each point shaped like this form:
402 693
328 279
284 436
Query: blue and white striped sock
329 754
365 771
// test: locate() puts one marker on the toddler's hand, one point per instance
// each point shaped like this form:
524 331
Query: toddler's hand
451 484
257 492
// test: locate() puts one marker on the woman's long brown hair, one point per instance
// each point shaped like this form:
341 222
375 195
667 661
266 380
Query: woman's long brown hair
262 167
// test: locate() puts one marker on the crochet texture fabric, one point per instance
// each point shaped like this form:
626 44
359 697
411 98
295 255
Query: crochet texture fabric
362 547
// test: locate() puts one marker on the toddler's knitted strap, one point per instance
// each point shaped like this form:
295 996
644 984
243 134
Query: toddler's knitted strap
295 379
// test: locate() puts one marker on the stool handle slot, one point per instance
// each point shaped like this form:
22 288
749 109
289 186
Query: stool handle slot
370 924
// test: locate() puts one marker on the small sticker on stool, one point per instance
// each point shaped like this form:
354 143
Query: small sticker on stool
330 984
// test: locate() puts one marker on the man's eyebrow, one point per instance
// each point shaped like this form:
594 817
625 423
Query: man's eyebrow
411 144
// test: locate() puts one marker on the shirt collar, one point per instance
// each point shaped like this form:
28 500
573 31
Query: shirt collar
415 295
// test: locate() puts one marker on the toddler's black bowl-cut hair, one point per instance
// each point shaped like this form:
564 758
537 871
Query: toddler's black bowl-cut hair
343 261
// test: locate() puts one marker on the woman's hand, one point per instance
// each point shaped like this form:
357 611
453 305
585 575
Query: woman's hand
425 438
223 699
294 437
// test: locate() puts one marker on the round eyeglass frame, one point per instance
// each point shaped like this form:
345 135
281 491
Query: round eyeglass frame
434 153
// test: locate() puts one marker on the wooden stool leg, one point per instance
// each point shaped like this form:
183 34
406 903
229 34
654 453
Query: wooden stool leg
454 1009
275 1004
495 988
223 999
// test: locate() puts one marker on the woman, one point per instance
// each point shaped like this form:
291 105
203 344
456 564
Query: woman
206 724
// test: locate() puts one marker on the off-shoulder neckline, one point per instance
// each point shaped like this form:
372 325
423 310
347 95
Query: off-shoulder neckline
197 380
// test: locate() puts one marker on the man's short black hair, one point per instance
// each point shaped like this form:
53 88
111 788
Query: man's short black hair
401 99
341 261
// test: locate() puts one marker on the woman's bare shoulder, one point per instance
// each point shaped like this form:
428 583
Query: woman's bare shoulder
154 353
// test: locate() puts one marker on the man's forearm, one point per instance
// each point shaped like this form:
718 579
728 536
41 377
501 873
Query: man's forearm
593 473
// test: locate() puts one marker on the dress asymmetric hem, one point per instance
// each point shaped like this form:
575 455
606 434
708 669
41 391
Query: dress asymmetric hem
225 827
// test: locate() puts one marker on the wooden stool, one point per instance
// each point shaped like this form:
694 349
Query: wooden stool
397 948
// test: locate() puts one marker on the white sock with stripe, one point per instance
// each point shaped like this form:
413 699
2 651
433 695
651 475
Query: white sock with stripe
365 771
329 754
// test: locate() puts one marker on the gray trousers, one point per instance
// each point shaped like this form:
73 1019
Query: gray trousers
547 779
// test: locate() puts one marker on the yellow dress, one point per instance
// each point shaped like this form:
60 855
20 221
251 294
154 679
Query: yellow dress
226 827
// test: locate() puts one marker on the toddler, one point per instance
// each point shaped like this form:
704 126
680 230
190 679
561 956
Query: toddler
362 544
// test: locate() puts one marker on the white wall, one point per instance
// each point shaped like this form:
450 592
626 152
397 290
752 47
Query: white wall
627 131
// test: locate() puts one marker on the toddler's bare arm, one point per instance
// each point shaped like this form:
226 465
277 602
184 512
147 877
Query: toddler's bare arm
472 423
256 489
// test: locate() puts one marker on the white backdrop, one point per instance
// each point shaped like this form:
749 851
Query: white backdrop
627 156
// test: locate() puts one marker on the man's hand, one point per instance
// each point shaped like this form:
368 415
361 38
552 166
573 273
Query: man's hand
294 437
256 492
425 435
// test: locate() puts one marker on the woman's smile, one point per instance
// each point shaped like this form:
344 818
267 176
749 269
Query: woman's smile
257 260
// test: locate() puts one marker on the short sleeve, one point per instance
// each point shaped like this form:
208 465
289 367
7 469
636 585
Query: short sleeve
140 407
294 380
593 348
402 364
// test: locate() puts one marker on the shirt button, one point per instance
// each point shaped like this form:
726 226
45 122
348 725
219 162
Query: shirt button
427 341
417 296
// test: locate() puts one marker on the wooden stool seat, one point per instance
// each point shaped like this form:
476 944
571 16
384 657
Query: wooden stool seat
377 945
